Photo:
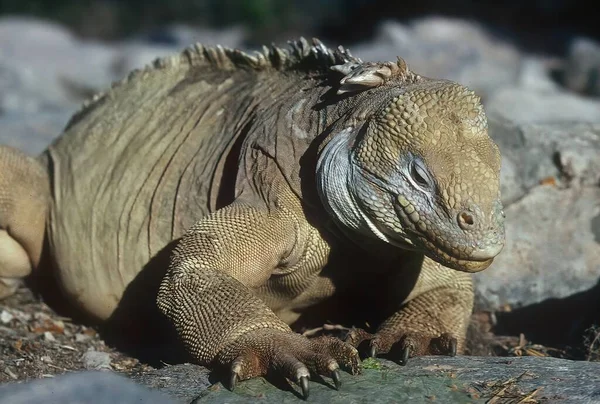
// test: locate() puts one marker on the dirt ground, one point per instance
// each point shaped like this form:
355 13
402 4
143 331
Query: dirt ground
35 342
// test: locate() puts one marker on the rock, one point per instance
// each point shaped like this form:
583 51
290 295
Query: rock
170 40
551 249
6 317
535 74
447 48
424 379
550 188
43 66
521 105
95 360
582 70
136 55
181 36
535 153
32 132
79 337
49 337
83 387
184 382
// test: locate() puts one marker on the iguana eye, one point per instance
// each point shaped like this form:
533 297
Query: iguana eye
419 174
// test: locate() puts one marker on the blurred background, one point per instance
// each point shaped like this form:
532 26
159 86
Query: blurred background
543 24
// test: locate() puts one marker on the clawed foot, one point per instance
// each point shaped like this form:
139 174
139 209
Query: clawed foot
292 356
404 345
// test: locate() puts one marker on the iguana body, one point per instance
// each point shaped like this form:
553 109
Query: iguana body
302 183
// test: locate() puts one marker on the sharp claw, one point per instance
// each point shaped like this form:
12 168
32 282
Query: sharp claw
335 375
373 352
453 347
405 355
304 386
233 381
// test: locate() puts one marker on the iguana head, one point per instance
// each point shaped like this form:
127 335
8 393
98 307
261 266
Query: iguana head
420 172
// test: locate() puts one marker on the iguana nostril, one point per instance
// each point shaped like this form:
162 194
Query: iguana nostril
465 220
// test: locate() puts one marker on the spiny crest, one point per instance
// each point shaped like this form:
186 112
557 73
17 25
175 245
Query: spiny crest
300 55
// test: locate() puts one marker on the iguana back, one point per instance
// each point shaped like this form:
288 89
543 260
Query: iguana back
135 169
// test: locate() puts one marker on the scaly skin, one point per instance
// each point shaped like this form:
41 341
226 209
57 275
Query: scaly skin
320 186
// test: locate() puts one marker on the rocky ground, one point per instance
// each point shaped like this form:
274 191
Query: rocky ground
540 298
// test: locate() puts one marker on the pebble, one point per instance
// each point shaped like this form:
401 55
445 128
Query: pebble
95 360
10 373
81 337
49 337
6 317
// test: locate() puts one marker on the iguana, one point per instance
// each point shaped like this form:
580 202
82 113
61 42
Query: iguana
288 185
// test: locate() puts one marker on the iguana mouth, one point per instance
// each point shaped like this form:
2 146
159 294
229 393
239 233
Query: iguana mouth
437 254
460 264
440 250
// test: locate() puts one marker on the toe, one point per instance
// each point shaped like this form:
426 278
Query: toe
304 385
342 352
245 366
445 344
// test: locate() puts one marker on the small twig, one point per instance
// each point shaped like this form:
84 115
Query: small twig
592 344
325 327
529 396
497 396
56 367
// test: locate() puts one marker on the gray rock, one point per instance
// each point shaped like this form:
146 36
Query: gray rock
424 379
181 35
42 65
550 186
534 74
136 55
582 70
522 105
533 153
80 388
447 48
32 132
551 248
184 382
96 360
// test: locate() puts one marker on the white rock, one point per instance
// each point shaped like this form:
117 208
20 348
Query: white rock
552 231
96 360
582 70
521 105
447 48
79 337
6 317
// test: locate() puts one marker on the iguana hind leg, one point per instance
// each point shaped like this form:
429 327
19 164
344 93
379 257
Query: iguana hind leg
24 198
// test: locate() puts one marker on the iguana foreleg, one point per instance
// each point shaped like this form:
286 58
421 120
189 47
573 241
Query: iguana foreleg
433 321
24 198
208 294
